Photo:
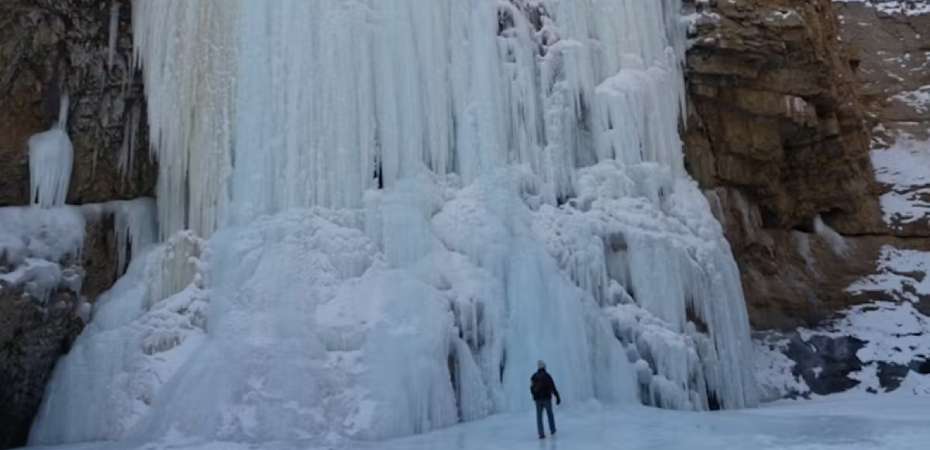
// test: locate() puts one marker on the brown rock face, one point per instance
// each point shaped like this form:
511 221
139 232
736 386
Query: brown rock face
52 47
892 54
775 112
777 135
47 48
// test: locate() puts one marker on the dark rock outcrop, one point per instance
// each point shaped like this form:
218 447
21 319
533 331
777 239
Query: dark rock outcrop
32 337
824 362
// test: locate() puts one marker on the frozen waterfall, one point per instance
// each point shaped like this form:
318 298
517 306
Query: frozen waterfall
377 215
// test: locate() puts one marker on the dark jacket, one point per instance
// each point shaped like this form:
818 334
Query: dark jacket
543 387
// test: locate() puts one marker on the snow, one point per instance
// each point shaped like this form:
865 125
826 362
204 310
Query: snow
891 325
917 99
843 422
899 275
376 218
892 7
774 370
50 159
896 331
902 167
55 234
40 248
37 247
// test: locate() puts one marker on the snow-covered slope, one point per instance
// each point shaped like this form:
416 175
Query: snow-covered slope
877 347
378 215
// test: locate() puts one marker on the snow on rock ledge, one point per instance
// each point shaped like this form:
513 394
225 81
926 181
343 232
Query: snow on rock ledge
35 243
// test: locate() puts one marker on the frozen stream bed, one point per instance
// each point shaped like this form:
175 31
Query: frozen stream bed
854 421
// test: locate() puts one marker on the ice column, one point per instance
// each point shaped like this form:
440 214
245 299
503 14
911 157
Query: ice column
50 158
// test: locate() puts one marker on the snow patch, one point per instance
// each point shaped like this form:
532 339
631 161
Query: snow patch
902 167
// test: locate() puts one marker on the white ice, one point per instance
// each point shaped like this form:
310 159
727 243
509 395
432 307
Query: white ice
50 158
857 422
376 216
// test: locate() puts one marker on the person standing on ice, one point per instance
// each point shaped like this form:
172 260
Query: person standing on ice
543 388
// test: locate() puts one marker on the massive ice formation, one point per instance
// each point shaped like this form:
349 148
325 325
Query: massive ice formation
405 204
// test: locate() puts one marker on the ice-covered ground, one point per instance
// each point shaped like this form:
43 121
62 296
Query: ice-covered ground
860 421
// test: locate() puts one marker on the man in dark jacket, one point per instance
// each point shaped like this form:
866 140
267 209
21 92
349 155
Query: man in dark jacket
543 388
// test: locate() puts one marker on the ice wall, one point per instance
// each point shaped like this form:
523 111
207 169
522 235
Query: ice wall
405 205
293 103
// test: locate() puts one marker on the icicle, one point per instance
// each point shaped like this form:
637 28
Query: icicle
836 241
50 158
135 227
128 147
185 46
319 124
114 32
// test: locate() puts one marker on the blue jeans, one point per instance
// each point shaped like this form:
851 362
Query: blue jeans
547 405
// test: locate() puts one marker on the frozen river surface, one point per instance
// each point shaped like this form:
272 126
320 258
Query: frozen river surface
897 422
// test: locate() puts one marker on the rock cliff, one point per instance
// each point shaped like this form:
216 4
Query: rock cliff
779 135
